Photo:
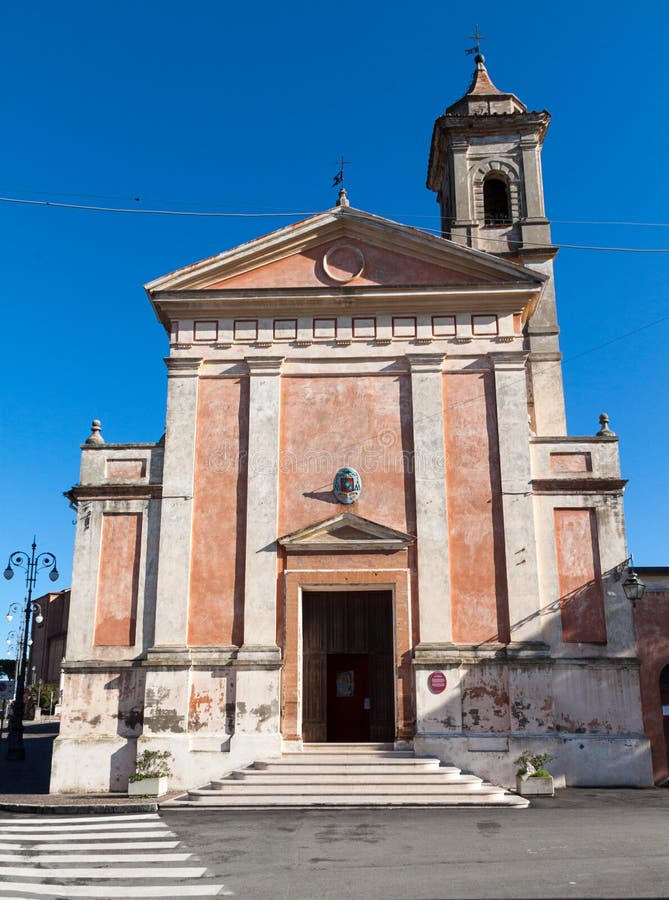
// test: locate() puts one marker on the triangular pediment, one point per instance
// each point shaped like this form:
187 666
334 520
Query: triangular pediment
346 532
344 247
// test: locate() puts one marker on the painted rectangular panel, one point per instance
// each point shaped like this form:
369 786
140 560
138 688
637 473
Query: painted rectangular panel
325 328
219 513
285 329
443 326
579 576
118 580
364 328
126 468
571 462
205 331
404 326
474 503
484 325
246 329
363 422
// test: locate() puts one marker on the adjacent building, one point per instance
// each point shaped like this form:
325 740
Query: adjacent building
366 521
47 650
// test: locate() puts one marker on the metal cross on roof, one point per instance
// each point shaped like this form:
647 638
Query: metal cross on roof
478 37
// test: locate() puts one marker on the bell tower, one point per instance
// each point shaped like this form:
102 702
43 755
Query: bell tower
485 166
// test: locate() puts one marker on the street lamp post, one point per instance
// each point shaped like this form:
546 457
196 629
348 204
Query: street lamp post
31 564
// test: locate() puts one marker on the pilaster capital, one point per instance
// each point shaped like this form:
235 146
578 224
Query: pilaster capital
529 141
264 365
425 362
514 361
183 366
459 144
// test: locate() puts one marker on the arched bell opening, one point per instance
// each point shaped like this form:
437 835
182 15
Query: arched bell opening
496 201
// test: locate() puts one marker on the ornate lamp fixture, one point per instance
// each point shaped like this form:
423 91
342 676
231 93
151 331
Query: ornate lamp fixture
632 585
32 564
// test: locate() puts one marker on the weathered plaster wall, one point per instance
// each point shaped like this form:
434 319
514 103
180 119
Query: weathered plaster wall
118 580
362 421
101 718
579 576
381 266
475 529
216 607
651 621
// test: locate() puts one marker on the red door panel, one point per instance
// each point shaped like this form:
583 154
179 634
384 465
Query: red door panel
348 697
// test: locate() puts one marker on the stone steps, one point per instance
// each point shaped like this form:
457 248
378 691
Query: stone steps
435 777
357 775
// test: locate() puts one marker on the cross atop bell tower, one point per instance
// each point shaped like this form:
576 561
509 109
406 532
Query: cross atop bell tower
485 166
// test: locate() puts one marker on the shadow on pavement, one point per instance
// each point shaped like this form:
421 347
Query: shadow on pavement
31 775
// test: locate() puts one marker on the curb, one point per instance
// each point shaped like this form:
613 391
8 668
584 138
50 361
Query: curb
61 809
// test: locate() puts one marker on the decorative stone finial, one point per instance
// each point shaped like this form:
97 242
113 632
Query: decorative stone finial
605 431
95 436
342 200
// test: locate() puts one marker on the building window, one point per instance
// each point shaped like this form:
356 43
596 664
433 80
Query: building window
496 206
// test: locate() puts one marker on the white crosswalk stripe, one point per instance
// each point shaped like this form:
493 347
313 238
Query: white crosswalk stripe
79 856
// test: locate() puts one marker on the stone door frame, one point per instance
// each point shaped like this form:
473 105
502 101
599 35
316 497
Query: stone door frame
297 582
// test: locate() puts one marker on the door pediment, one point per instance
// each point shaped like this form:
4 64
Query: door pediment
346 532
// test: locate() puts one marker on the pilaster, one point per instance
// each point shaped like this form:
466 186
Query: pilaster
517 501
462 223
177 503
262 509
534 195
431 513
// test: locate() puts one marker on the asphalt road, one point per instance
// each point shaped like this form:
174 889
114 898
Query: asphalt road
584 843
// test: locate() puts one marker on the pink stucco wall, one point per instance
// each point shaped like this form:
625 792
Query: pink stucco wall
219 508
579 576
475 526
116 606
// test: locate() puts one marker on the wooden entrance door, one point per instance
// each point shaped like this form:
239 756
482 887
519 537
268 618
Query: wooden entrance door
347 632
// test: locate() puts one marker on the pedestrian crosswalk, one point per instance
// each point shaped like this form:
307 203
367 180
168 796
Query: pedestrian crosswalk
130 856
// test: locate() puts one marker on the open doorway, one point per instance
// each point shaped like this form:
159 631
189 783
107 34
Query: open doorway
348 670
664 700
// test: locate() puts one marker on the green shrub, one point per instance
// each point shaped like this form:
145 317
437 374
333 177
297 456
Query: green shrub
152 764
533 764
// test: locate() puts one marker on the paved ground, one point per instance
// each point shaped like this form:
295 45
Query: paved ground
585 843
100 856
581 844
29 776
24 784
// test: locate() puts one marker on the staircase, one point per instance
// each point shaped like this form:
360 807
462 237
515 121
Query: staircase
348 775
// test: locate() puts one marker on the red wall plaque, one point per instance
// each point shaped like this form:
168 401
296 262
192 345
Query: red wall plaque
437 682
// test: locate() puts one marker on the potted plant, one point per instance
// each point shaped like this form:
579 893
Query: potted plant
151 773
532 777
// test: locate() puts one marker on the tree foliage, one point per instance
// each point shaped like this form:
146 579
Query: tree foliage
7 667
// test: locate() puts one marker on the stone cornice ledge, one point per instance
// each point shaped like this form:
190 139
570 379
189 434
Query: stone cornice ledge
100 665
114 492
578 485
573 439
530 652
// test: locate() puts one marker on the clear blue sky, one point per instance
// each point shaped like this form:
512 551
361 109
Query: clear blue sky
246 108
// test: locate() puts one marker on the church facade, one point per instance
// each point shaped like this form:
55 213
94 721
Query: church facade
366 522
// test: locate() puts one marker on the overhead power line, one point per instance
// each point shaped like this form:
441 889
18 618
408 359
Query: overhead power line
155 212
291 215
